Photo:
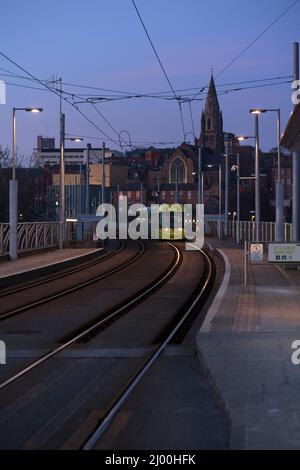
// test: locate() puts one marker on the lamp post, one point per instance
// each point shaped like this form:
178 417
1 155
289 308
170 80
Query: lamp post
256 113
63 138
240 139
279 184
237 214
13 190
226 185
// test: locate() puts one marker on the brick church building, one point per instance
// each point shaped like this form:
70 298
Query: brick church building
174 178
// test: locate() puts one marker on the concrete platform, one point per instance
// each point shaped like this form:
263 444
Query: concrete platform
245 345
40 264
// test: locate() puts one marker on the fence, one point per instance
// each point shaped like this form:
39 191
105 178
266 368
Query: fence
248 231
31 236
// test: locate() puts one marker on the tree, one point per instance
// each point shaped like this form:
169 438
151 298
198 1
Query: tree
5 158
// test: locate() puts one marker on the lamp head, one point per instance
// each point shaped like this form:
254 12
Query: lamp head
34 110
257 111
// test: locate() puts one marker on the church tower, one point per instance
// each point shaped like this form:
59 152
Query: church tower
212 122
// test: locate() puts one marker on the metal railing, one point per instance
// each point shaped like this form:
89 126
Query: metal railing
248 231
31 236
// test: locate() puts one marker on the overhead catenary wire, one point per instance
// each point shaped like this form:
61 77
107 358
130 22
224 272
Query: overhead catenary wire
161 65
57 94
119 94
278 18
254 41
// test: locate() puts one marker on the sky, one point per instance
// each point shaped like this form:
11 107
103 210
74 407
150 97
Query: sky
101 43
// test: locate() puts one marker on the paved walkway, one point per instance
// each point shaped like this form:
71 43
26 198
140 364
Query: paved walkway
37 261
245 344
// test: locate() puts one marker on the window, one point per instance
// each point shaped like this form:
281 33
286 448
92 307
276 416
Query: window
129 194
208 124
178 171
189 194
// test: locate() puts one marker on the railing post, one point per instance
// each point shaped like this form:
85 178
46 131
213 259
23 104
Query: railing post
45 233
26 237
1 240
36 236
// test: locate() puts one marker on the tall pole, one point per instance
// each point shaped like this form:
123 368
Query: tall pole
296 165
200 175
279 189
87 179
226 186
14 146
158 190
220 199
62 181
13 199
257 180
103 175
238 201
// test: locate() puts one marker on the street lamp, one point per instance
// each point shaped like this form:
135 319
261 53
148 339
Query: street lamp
13 189
240 138
226 185
256 113
279 184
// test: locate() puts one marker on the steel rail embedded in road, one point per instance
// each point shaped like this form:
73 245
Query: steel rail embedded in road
72 289
127 304
96 435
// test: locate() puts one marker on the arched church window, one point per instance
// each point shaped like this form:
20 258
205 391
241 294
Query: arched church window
178 171
208 124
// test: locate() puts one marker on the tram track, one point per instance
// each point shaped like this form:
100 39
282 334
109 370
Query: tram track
173 332
108 317
66 291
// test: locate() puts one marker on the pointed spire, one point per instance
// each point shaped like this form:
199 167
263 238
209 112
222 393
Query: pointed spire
212 92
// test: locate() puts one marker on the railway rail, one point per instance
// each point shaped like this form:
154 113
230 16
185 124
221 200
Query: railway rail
66 291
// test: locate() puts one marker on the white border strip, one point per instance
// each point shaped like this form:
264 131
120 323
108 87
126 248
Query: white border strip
207 324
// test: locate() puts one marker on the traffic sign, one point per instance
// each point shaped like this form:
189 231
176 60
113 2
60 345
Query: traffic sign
256 252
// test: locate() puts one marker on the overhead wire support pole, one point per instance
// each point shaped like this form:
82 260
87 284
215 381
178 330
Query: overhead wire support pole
62 182
296 163
87 179
103 175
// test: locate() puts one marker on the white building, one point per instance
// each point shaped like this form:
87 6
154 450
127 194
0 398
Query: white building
48 155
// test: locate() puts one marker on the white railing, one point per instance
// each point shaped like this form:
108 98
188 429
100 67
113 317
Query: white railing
31 236
248 231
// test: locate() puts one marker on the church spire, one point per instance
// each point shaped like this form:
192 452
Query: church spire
212 98
212 121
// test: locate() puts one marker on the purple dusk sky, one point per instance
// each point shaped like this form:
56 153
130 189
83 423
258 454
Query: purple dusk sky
102 43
